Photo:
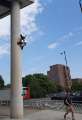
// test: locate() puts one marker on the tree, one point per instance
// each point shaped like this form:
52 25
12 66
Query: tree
8 86
1 82
59 88
40 86
76 86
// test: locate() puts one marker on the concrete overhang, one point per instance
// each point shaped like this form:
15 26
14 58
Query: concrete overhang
5 6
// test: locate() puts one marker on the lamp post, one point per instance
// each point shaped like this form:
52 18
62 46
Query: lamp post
80 4
65 57
67 80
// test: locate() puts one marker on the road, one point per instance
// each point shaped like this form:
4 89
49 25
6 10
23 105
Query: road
42 110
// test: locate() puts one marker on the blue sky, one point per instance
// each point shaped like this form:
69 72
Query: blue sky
51 26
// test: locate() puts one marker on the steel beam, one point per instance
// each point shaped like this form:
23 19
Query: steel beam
5 3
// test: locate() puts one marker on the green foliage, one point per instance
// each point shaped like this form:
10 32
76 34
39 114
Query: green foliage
76 86
8 86
1 82
58 88
39 85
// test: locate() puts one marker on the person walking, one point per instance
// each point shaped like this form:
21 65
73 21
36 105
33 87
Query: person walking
69 106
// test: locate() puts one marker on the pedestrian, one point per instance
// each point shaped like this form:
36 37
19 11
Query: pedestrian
69 106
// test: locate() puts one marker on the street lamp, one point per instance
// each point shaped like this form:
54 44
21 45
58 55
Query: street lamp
80 4
64 53
68 85
21 41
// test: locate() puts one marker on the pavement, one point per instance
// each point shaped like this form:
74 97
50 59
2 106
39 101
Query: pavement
45 115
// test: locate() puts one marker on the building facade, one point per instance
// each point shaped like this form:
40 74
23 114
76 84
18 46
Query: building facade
61 74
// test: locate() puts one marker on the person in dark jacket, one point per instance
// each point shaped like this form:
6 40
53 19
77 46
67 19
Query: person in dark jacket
69 106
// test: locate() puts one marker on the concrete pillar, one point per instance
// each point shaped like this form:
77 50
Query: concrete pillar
16 110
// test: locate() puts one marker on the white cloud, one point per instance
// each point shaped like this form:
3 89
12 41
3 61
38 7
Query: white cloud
60 40
65 37
28 17
28 23
38 58
4 49
70 34
78 43
50 1
28 20
5 26
52 45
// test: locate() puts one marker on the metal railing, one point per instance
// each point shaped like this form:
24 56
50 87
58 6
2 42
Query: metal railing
41 104
51 104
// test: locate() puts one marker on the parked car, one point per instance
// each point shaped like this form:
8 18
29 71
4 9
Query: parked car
76 98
